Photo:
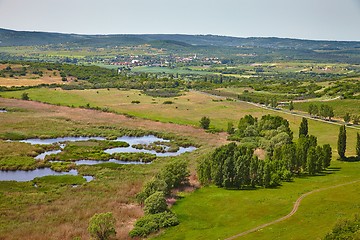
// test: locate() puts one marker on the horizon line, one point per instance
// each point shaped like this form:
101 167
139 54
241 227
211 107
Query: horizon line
184 34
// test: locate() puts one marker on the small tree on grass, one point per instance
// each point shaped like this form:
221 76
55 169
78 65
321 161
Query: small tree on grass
102 226
205 122
25 96
342 142
291 106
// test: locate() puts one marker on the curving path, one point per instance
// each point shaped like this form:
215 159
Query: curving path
293 211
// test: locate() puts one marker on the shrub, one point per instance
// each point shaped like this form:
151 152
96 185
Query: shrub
135 102
175 173
152 223
168 102
155 203
205 122
102 226
152 186
25 96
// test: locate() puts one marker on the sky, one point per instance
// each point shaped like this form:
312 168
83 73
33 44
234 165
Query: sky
303 19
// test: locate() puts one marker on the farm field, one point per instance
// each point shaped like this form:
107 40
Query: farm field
185 109
340 106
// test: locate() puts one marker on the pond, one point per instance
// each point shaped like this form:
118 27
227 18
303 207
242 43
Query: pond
2 111
23 176
145 140
94 162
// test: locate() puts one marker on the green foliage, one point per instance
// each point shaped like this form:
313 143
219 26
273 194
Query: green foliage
356 119
327 155
311 161
347 229
175 173
233 166
244 123
303 129
150 187
326 111
25 96
205 122
155 203
347 118
342 142
152 223
230 128
12 163
102 226
358 145
291 106
313 110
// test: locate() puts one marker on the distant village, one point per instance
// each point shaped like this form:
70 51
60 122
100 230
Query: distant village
159 61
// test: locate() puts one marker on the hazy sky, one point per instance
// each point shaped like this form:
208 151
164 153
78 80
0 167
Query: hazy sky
307 19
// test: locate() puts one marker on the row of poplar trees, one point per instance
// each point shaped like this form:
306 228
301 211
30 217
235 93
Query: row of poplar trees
236 166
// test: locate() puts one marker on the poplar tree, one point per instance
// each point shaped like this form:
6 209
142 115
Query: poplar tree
303 129
342 142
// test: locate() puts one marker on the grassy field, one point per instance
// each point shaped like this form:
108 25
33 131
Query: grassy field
214 213
341 107
186 109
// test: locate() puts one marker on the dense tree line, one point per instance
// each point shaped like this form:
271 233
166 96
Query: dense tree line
324 111
236 166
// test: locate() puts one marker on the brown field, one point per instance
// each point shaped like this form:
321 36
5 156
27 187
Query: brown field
28 81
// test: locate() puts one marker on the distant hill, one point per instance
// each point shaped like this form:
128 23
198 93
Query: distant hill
24 38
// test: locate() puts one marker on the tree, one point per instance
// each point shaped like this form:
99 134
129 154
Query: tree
230 128
311 161
303 129
102 226
347 118
25 96
155 203
358 145
205 122
342 142
313 110
327 155
320 159
356 119
291 106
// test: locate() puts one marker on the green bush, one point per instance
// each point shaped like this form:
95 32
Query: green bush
345 229
152 186
102 226
152 223
175 173
155 203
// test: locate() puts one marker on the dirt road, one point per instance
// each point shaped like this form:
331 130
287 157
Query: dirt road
293 211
